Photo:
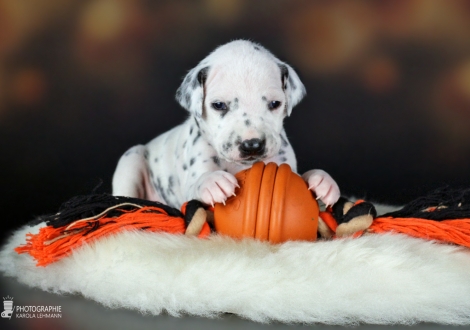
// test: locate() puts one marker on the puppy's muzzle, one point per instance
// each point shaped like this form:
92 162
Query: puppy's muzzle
252 147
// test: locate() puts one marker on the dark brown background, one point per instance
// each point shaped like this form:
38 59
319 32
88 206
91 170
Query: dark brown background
387 111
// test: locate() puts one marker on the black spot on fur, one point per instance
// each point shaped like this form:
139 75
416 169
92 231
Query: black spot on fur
202 75
283 159
223 113
256 48
197 123
185 167
247 123
197 137
158 187
156 159
187 99
264 98
151 173
192 161
184 144
284 141
281 152
235 104
244 114
195 84
216 160
284 75
292 83
226 146
167 193
146 155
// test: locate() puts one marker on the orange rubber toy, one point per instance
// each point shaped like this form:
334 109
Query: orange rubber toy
272 204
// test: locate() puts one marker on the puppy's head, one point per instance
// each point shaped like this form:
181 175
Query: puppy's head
239 96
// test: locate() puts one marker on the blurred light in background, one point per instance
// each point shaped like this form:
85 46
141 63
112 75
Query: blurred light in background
328 37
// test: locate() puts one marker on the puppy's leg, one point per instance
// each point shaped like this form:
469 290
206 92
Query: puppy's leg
131 177
323 185
213 187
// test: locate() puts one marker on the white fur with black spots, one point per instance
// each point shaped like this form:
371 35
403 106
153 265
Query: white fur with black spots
237 97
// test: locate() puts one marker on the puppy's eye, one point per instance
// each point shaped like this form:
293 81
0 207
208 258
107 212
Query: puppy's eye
274 105
221 106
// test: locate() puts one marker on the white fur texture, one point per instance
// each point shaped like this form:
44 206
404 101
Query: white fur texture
389 279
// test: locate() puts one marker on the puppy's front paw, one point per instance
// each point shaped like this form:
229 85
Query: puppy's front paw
215 187
323 185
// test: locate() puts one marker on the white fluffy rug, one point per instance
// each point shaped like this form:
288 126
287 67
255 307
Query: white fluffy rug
389 279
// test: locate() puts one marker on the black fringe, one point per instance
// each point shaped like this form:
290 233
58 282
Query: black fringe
449 204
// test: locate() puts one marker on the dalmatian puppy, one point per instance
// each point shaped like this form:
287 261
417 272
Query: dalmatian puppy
237 98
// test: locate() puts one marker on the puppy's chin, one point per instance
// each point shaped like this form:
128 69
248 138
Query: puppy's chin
250 160
247 161
236 158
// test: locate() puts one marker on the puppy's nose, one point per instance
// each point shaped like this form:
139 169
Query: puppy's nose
252 147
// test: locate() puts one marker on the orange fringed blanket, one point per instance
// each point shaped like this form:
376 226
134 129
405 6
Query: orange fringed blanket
443 216
64 232
447 231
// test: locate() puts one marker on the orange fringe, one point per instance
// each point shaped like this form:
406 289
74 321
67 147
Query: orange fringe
447 231
52 244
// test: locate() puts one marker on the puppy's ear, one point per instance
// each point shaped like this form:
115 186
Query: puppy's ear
293 87
190 95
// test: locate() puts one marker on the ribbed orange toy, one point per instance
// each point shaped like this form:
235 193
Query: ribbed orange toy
272 204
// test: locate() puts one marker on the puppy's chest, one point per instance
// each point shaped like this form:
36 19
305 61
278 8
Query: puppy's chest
188 158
